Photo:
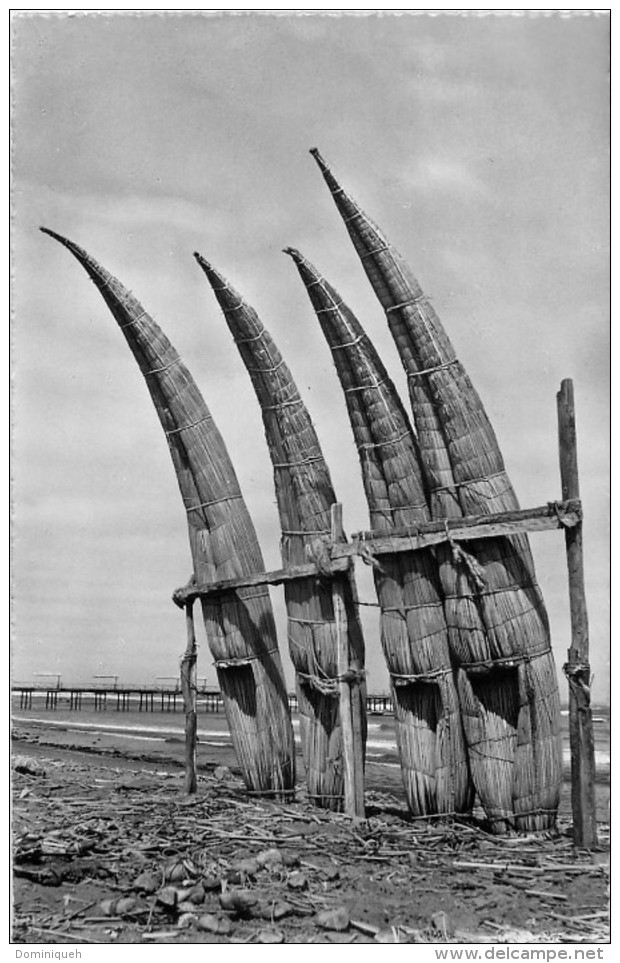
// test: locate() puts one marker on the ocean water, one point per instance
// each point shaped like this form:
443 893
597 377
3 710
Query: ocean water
162 732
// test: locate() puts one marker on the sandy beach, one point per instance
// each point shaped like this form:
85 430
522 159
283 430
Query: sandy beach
100 812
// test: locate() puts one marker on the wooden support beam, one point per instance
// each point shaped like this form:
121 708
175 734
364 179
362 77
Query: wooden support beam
577 668
350 702
554 515
188 689
275 577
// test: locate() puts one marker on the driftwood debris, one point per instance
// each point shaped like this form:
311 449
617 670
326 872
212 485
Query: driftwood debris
144 863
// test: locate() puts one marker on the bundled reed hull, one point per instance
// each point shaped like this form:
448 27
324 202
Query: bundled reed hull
304 496
501 616
413 629
240 627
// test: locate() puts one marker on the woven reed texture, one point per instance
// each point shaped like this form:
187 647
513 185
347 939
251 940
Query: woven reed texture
413 629
502 613
240 627
304 495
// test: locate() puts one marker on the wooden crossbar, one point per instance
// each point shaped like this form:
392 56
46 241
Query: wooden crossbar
554 515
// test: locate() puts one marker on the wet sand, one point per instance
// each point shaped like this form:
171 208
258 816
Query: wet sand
157 739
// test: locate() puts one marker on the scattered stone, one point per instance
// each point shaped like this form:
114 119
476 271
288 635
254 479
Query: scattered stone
118 907
125 905
270 858
290 860
221 773
297 881
168 897
270 936
146 883
280 910
210 883
262 910
238 900
187 907
215 924
209 923
336 919
175 872
185 920
332 873
195 894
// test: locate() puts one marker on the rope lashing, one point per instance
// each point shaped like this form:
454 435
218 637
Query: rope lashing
298 464
303 621
348 344
193 424
256 337
470 481
409 303
562 519
375 250
267 370
373 387
366 555
318 551
579 682
460 556
164 367
135 320
331 686
427 371
334 306
515 587
352 217
402 678
216 501
504 662
243 660
319 280
383 444
282 404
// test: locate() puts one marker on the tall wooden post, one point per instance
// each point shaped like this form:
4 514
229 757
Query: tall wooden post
350 701
577 668
188 690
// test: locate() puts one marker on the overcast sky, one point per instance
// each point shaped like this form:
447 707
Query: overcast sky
478 144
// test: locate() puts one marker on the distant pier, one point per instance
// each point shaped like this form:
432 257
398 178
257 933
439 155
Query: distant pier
154 698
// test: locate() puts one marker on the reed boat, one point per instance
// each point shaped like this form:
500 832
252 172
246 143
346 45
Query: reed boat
414 633
499 631
304 495
239 625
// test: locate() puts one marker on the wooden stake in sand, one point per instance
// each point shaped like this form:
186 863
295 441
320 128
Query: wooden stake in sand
577 668
188 689
350 703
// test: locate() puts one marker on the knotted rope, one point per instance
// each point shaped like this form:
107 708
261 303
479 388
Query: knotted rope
474 570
